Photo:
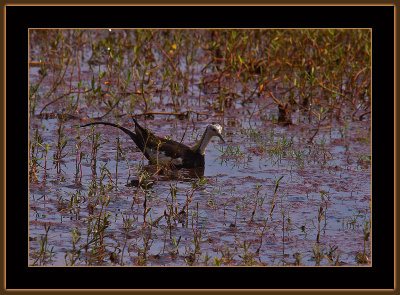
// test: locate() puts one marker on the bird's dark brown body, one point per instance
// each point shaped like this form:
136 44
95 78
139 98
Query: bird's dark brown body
161 150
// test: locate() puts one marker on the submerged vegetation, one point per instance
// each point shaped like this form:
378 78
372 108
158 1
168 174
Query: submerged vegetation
291 185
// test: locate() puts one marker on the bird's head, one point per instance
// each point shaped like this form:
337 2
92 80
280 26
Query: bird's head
215 129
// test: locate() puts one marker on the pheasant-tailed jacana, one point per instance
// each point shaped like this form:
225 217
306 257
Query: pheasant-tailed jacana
160 150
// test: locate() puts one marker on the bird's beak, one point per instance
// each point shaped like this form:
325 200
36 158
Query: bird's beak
220 136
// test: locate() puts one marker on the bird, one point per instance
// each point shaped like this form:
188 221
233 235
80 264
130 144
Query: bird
160 150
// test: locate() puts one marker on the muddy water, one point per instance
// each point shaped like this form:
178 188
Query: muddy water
268 197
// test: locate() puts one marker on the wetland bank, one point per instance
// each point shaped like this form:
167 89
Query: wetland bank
291 185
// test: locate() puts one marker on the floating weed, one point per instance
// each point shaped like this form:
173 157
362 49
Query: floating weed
274 197
78 161
128 223
218 261
318 254
34 157
231 151
256 201
73 205
363 160
261 235
44 254
195 253
175 250
320 217
352 222
298 258
206 259
246 256
333 256
254 134
60 145
71 257
142 251
227 257
322 211
97 224
362 257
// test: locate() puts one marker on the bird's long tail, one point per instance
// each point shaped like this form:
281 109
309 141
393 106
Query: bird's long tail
130 133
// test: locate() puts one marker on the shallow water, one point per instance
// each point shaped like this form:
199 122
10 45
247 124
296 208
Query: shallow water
238 216
226 199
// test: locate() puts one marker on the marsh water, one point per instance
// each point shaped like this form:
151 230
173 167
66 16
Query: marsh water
272 194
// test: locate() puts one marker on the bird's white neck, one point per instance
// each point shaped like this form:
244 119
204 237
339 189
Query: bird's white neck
203 142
